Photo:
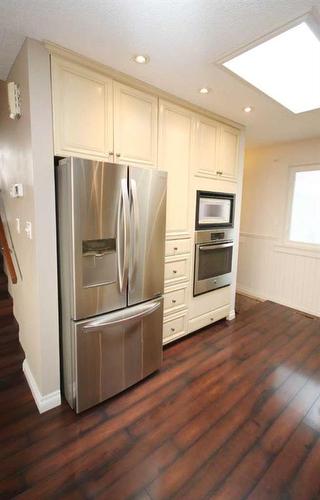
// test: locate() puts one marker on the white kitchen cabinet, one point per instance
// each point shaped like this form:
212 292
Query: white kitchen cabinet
135 126
175 299
96 117
207 318
175 140
228 152
206 147
174 326
176 269
82 111
177 247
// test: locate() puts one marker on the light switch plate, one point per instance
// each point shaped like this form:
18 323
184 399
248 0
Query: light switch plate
16 191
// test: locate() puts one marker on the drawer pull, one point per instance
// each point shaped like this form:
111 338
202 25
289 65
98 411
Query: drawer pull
211 319
175 248
173 301
173 329
174 271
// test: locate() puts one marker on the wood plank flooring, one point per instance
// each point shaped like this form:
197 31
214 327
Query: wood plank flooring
233 414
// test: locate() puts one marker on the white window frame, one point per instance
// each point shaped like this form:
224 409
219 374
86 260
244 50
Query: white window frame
315 247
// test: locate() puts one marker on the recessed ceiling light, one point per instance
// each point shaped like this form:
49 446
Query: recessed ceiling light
285 67
204 90
247 109
140 59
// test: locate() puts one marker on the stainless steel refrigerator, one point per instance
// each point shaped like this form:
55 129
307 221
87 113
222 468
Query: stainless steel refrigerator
111 232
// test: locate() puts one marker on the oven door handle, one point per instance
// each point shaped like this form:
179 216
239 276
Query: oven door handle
214 247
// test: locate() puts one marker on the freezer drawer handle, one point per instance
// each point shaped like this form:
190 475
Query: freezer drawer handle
118 318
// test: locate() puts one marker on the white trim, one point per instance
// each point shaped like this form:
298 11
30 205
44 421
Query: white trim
300 250
258 236
252 294
291 248
231 315
286 241
308 17
44 403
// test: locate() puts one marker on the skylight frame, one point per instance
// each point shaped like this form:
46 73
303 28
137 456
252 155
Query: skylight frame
311 18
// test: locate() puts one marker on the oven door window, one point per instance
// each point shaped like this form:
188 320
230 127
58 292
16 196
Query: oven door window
214 261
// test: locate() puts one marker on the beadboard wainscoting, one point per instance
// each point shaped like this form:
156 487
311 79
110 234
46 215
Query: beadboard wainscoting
287 275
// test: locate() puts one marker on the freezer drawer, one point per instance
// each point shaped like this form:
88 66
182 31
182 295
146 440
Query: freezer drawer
116 350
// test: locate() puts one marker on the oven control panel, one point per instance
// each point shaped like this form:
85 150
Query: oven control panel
202 237
217 236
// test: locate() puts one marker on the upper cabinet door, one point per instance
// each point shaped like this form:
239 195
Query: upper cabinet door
135 126
207 134
229 152
175 137
82 111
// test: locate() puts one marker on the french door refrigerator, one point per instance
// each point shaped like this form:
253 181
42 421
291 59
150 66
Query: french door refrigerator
111 232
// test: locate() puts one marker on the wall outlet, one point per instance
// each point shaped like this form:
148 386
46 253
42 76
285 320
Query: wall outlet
28 229
18 228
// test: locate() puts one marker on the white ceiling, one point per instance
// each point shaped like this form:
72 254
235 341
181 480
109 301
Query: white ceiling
183 38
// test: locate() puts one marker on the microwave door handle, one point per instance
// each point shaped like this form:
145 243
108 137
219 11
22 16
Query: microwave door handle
121 317
214 247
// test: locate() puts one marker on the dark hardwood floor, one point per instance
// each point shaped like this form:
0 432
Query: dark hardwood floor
243 303
233 414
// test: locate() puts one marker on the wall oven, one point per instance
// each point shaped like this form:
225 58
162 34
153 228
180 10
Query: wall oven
214 210
213 260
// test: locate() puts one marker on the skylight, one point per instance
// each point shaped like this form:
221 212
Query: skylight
286 68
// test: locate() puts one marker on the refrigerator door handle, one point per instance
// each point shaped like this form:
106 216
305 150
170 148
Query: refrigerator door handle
123 229
120 317
135 229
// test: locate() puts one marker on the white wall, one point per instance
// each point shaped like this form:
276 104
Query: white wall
268 268
26 156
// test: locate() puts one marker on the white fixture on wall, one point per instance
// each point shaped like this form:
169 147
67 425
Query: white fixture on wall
285 65
14 100
16 191
28 229
18 229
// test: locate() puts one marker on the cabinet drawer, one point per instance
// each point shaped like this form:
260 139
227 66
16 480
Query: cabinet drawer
177 247
176 270
174 327
175 300
208 318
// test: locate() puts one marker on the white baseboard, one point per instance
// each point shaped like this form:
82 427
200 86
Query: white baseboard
231 315
252 294
44 403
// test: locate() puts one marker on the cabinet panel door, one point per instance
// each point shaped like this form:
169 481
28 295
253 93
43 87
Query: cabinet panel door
82 108
136 126
206 147
229 148
175 135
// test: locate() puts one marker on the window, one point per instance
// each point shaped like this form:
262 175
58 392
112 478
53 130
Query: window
304 224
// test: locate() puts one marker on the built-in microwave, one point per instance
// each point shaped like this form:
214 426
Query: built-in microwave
214 210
